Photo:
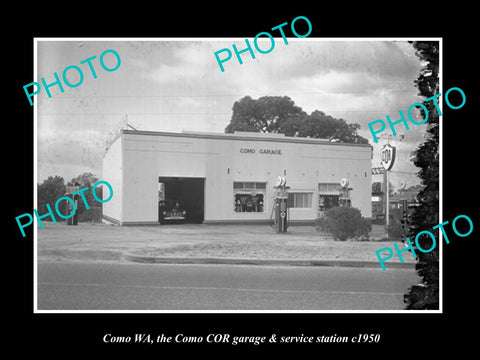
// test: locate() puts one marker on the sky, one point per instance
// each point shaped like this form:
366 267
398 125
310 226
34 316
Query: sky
176 84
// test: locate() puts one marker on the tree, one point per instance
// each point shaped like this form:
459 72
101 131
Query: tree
86 180
48 192
414 188
426 294
321 125
274 114
348 133
267 114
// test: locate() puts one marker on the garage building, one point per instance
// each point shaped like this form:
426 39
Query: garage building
230 178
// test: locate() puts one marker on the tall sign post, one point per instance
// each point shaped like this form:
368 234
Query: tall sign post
387 159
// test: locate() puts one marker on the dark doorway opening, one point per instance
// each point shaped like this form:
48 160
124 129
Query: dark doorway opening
188 192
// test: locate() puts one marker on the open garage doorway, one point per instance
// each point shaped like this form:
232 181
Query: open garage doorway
182 193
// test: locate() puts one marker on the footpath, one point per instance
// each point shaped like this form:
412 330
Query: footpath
209 244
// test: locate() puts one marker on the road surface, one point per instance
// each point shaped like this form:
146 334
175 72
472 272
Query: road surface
132 286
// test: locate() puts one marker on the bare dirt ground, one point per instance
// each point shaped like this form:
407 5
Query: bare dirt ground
101 242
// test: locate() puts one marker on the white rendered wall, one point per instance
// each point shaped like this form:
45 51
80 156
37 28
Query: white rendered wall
113 173
219 160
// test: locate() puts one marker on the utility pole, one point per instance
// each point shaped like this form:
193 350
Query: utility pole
387 160
387 198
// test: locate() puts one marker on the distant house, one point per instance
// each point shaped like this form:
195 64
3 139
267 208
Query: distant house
377 200
409 194
396 199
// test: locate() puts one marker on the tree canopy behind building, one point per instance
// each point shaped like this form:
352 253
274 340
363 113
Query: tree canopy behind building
54 187
48 192
279 114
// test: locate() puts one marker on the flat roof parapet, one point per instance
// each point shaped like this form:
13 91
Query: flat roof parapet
258 134
243 135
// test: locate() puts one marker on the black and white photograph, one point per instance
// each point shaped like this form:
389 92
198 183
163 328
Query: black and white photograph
255 185
232 180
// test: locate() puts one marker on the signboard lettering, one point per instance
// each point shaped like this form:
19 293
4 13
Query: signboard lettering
261 151
388 156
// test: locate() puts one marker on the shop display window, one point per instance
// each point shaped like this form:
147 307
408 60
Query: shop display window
249 196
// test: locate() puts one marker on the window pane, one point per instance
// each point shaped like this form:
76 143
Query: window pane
249 185
304 200
299 200
328 186
260 185
238 185
290 200
308 200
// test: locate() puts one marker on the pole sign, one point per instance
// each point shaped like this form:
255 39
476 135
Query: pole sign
387 156
281 181
378 170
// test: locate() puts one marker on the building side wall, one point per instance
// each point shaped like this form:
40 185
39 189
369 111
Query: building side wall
146 159
113 174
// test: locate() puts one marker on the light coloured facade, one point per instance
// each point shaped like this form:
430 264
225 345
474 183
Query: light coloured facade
224 178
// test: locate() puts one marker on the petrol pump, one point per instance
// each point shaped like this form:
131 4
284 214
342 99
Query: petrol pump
280 205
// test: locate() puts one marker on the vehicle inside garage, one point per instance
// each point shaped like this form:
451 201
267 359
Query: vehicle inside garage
183 194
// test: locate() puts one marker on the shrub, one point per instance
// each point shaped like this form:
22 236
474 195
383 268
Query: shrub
344 223
395 231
